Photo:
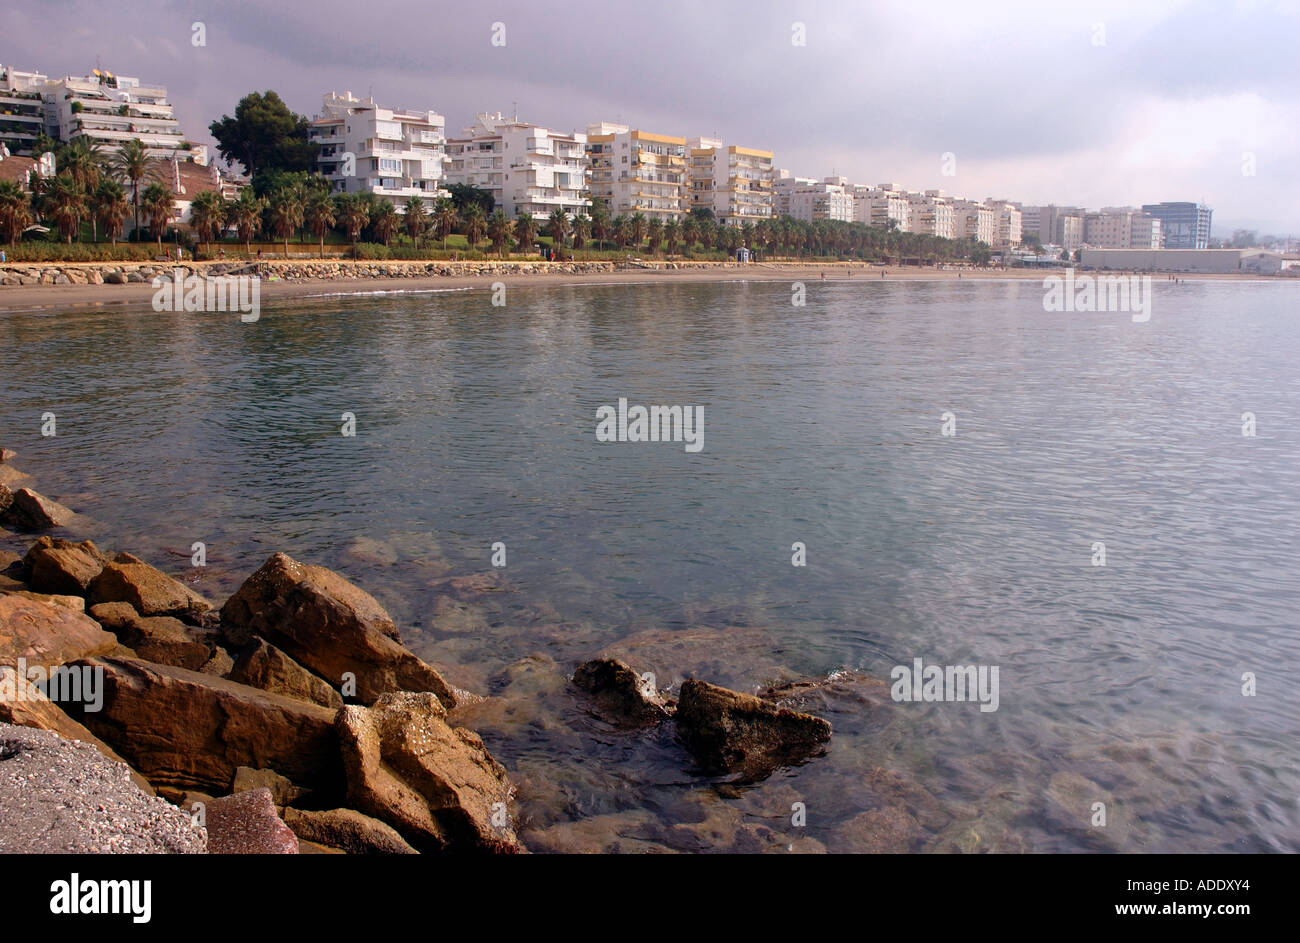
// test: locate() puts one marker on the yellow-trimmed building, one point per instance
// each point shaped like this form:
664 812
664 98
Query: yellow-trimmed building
635 171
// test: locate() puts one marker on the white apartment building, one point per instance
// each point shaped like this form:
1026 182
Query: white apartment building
22 108
932 214
884 206
972 220
528 169
1121 227
392 153
635 171
809 199
735 182
1007 223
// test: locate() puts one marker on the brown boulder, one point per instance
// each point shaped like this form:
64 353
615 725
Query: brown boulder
47 635
7 455
189 730
74 603
329 625
11 476
27 706
31 511
347 830
264 666
438 786
282 789
728 731
247 824
150 591
160 639
619 694
61 566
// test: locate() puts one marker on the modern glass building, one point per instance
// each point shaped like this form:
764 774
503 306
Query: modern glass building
1185 225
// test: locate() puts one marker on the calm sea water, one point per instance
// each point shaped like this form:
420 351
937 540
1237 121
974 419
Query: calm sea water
1119 684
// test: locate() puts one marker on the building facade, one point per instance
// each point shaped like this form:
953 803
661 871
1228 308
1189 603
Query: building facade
365 148
810 200
735 182
886 206
972 220
529 170
931 213
635 171
1184 225
22 108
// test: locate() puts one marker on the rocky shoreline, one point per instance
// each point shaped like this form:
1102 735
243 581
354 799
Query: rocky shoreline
290 719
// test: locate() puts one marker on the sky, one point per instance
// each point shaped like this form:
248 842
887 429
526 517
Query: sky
1084 104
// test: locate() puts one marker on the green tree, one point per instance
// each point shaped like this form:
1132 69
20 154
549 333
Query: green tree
557 226
132 165
319 216
581 230
415 219
157 203
354 213
264 135
15 211
445 219
499 229
63 202
672 235
525 231
654 235
475 224
208 215
639 227
245 214
285 213
384 221
601 225
462 195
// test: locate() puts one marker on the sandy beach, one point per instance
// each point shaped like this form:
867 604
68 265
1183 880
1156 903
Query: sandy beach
30 297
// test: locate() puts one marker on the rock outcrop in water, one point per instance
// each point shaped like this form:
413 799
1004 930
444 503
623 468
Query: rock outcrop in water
728 731
620 695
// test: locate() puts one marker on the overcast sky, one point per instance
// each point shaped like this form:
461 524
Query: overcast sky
1094 104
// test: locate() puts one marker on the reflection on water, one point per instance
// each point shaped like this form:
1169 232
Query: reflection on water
1119 684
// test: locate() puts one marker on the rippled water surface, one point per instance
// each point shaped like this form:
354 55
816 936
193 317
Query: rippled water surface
1119 684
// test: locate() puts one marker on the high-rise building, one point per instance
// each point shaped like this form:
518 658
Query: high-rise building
22 108
1007 223
735 182
809 199
635 171
932 214
885 206
392 153
1185 225
972 220
527 168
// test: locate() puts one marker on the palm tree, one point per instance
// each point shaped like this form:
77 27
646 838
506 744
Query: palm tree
654 235
245 214
207 215
445 219
64 202
672 235
157 202
499 229
414 219
558 226
581 230
600 222
638 227
354 213
384 221
132 165
84 163
526 231
15 211
475 224
319 216
621 229
285 212
690 233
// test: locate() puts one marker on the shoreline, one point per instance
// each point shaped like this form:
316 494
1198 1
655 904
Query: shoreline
361 278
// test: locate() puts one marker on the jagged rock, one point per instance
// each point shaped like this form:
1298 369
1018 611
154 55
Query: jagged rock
329 625
60 796
264 666
620 694
728 731
48 635
282 789
438 786
160 639
25 705
75 603
61 566
246 823
347 830
189 730
220 664
150 591
29 510
11 476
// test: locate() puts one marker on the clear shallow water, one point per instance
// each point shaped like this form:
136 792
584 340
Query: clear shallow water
822 425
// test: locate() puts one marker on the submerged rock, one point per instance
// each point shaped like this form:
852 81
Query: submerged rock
28 510
436 785
329 625
728 731
619 694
